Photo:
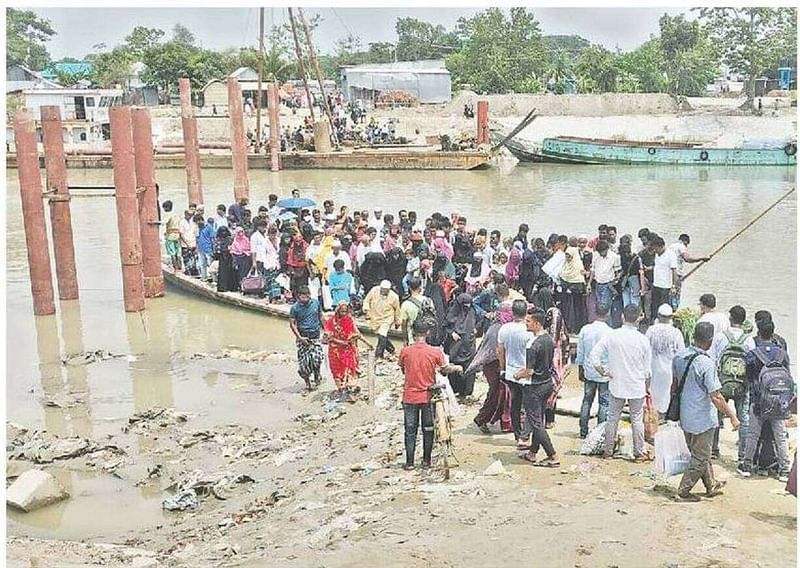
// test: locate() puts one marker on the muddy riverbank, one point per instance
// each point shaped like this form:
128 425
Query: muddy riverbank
300 480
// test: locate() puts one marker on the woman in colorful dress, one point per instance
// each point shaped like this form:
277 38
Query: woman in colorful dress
341 335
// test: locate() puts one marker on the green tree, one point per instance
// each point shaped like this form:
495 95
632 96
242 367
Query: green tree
597 70
499 53
142 38
689 58
417 40
752 40
642 70
380 52
110 68
572 45
181 35
26 34
169 61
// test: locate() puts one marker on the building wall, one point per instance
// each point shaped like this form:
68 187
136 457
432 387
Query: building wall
428 86
216 93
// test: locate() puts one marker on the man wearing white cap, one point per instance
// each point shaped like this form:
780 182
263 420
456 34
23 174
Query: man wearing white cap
382 307
666 340
376 221
337 254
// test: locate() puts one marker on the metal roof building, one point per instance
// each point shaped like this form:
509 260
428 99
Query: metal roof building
428 80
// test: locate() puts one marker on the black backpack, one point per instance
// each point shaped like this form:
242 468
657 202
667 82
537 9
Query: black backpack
426 316
775 384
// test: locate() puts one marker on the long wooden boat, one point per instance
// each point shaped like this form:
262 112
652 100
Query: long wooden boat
197 287
372 159
598 151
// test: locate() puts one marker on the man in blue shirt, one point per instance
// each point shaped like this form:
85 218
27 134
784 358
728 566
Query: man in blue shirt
593 382
305 320
699 397
205 244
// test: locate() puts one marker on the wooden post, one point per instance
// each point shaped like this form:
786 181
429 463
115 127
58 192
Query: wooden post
371 376
274 102
148 203
482 136
313 58
322 137
60 217
30 190
191 144
301 66
260 78
130 248
241 185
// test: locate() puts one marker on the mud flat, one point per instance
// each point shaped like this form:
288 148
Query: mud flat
283 479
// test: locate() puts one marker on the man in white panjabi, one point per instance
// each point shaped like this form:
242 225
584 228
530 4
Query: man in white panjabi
666 341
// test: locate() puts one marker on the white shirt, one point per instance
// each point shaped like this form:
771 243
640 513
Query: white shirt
361 250
589 336
666 341
273 213
604 267
377 224
720 321
720 342
629 360
662 269
515 338
344 257
220 221
258 244
679 249
188 230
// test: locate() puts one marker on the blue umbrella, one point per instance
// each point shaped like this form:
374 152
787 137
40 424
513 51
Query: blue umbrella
296 202
287 215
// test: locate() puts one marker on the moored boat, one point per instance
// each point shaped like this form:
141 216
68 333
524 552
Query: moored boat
197 287
598 151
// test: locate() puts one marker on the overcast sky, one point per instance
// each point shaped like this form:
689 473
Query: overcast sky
81 28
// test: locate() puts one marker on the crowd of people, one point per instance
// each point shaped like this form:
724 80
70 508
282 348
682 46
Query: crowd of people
465 300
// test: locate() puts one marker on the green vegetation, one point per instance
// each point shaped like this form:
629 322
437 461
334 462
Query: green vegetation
26 34
494 51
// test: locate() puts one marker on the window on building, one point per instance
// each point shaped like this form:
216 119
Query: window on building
89 101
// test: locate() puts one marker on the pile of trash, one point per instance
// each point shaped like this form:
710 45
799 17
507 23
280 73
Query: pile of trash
41 447
89 357
244 355
156 416
197 484
464 140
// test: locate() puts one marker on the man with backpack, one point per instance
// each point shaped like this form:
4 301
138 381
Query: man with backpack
417 308
729 352
771 392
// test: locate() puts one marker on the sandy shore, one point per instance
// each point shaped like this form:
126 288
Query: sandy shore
315 483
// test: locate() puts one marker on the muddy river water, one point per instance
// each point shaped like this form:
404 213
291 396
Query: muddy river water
758 271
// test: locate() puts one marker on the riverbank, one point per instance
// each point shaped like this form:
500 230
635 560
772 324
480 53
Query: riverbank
320 483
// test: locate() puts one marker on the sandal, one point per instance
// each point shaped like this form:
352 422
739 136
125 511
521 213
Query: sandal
529 458
483 428
547 462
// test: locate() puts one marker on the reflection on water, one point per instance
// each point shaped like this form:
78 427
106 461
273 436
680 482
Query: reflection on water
758 271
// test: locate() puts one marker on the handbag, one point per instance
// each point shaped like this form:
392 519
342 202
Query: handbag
674 409
253 285
650 419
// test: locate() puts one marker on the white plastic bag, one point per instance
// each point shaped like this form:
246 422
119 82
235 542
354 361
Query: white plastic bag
283 281
672 453
595 442
327 301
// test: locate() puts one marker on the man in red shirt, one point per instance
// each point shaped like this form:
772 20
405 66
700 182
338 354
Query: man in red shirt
419 362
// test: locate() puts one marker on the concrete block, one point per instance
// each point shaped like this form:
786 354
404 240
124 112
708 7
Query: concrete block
33 489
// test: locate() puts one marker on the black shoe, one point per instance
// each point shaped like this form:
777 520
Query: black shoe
688 497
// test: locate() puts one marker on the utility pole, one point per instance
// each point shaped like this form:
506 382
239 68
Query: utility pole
301 65
260 73
313 56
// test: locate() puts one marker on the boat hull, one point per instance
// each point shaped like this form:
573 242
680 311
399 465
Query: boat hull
605 152
197 288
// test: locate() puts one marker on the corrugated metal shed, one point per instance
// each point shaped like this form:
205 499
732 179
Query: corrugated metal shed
427 80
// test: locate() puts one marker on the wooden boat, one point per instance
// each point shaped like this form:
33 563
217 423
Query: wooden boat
359 159
599 151
197 287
